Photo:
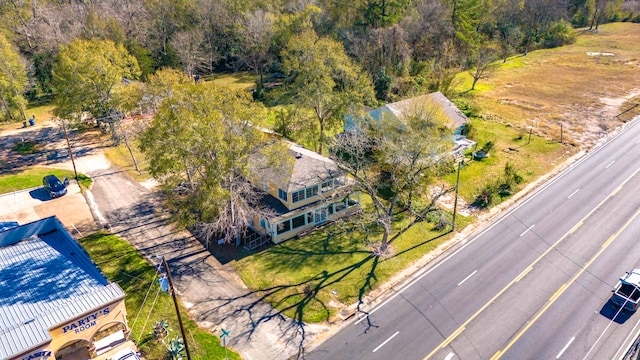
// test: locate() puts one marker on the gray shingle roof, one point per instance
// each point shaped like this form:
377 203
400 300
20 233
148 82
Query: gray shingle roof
401 108
307 168
46 279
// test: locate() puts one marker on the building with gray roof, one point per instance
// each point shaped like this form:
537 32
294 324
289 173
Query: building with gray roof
54 302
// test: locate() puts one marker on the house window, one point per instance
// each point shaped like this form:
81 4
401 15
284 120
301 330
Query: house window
264 185
321 215
327 186
263 223
309 217
304 194
339 182
340 206
297 196
297 221
282 194
284 226
312 191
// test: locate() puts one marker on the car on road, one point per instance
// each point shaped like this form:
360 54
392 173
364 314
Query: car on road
54 186
126 354
626 294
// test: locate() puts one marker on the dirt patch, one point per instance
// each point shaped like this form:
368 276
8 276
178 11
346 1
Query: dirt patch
521 103
48 143
579 89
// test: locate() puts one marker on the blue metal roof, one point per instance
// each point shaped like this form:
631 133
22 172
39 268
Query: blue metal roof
46 279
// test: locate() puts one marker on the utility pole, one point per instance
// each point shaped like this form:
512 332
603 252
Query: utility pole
175 302
66 136
455 202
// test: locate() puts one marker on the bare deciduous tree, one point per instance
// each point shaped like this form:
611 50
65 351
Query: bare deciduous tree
394 161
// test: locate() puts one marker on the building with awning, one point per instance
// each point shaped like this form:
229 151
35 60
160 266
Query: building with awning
55 303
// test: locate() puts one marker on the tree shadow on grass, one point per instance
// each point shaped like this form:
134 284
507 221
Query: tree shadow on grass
294 299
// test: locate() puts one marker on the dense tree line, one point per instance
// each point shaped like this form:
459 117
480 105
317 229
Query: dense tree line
403 45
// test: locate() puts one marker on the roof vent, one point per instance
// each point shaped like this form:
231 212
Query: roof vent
298 155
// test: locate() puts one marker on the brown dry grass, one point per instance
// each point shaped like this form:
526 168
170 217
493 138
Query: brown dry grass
568 86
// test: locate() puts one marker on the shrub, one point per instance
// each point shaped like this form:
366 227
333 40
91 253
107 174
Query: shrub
560 33
486 196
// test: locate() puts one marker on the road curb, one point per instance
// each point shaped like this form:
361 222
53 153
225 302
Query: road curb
95 212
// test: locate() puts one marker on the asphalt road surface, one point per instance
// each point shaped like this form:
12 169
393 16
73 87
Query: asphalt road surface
533 285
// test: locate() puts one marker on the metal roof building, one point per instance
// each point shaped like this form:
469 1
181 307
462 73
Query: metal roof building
53 299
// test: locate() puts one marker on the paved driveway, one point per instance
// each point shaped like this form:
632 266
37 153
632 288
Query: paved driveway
34 204
213 293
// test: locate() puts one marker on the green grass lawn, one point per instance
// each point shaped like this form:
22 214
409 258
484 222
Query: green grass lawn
120 157
41 112
300 276
122 264
531 159
238 81
32 177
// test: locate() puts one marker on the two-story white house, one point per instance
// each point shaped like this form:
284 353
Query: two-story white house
309 192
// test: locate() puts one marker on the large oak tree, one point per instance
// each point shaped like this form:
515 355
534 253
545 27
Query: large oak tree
325 80
85 75
199 146
13 81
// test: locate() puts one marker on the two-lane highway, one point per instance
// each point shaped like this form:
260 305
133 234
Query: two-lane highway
531 286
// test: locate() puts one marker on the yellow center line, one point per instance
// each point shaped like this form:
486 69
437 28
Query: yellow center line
524 272
562 289
453 336
573 229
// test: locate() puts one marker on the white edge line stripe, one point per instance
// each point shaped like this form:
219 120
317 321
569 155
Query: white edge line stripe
526 231
386 341
450 356
609 164
495 222
633 334
467 278
565 348
573 193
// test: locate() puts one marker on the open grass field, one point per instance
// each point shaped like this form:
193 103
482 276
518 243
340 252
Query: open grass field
145 304
571 93
531 158
581 86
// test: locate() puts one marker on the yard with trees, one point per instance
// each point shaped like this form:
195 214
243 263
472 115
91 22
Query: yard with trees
536 89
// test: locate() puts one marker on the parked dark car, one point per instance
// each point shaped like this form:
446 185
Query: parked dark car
54 186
